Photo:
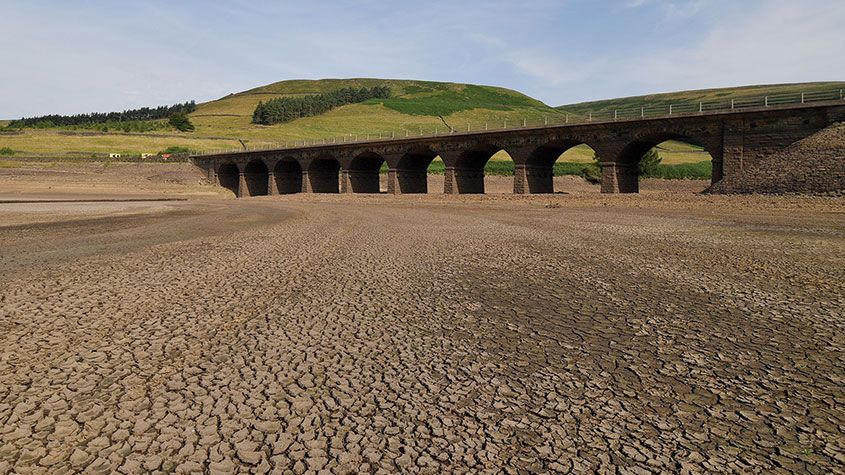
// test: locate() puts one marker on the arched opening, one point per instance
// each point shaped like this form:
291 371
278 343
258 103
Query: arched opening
471 165
288 176
228 176
363 173
668 156
549 165
323 175
412 170
257 178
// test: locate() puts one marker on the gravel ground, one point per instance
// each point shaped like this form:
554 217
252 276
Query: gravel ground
664 332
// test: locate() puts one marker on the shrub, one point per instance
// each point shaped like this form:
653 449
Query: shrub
181 122
177 150
649 163
6 151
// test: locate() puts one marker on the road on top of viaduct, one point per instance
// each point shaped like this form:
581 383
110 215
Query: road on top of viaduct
752 150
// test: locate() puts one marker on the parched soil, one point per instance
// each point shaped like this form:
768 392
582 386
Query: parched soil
667 332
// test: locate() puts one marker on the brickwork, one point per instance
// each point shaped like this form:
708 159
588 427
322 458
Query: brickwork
411 181
752 151
366 181
823 152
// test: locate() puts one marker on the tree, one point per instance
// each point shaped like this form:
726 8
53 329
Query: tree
649 163
181 122
286 109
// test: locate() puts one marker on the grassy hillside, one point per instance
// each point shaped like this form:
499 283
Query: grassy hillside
704 95
414 107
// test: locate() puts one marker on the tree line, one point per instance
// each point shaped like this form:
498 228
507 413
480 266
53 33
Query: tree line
144 113
286 109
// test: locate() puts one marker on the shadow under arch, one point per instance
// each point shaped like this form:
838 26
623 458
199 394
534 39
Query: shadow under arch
288 175
257 178
363 172
228 175
412 170
324 175
468 170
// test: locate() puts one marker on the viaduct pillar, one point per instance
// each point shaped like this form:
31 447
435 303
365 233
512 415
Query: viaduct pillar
242 190
272 186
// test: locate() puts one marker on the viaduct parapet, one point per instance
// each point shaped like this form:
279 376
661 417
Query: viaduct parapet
742 145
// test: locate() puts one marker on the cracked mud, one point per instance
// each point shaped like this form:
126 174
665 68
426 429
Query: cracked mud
345 335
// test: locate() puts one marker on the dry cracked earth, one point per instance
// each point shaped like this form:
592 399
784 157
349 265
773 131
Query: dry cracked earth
583 334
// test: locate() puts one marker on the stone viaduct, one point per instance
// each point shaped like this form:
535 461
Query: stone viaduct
739 142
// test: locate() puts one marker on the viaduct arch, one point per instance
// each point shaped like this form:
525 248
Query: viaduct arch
741 144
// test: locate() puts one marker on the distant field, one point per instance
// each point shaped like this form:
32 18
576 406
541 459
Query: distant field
671 153
51 143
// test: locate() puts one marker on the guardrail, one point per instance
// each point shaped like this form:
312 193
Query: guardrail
603 116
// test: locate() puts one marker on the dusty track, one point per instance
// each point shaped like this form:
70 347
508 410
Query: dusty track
437 334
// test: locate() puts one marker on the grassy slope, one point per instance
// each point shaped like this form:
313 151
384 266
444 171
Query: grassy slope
704 95
414 108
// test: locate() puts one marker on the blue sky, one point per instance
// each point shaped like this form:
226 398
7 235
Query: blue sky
74 56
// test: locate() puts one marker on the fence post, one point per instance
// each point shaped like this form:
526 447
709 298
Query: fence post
485 126
591 116
615 114
802 98
545 120
767 101
642 112
524 122
567 118
733 104
505 124
840 95
700 107
670 109
435 131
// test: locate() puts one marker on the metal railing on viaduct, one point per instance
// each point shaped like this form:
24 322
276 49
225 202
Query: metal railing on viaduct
739 136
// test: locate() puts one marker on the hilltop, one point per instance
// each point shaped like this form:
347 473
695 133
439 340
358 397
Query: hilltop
702 95
413 105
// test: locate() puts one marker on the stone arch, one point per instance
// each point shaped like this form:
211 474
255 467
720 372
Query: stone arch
465 172
257 177
539 166
625 166
323 175
288 175
412 170
229 177
363 172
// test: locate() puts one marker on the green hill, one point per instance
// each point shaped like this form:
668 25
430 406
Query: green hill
703 95
414 106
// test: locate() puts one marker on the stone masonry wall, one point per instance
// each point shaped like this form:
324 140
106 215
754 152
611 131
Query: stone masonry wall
815 164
